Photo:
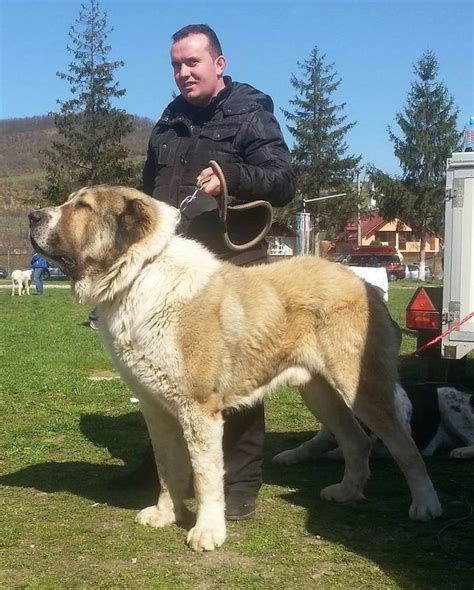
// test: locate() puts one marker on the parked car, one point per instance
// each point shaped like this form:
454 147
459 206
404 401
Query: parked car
3 273
53 273
412 271
377 256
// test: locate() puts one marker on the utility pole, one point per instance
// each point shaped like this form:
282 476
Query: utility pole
359 221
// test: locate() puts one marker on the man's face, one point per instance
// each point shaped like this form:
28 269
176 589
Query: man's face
197 73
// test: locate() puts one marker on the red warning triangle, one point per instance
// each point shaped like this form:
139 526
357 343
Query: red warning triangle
421 302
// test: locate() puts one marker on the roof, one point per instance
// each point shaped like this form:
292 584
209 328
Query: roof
371 224
368 225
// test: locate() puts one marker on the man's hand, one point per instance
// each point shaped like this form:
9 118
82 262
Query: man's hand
209 183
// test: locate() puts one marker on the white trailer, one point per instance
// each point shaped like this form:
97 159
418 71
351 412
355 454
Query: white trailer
458 282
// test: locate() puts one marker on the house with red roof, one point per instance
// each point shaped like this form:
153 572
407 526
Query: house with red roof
396 233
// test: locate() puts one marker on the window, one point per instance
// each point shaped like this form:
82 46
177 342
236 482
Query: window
385 237
404 237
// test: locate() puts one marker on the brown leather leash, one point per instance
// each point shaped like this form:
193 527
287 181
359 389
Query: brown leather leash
224 208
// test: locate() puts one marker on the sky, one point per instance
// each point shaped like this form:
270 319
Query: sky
373 45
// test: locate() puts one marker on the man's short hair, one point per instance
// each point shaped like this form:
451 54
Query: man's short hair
214 44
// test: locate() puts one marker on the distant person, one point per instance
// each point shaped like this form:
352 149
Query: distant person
39 266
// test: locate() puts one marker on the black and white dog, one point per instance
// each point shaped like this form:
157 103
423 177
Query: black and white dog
439 416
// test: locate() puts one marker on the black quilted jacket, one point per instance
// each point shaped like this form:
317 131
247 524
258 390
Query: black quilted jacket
239 131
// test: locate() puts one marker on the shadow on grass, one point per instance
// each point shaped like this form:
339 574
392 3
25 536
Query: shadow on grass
88 480
124 437
377 528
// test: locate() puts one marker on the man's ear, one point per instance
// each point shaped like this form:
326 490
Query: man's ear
220 65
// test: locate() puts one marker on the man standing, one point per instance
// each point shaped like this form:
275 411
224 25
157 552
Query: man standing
217 119
39 266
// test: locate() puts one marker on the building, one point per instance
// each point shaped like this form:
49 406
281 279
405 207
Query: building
281 240
394 233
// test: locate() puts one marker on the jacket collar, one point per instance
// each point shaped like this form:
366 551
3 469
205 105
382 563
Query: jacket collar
234 99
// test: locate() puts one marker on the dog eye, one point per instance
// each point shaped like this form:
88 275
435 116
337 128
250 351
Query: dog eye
82 205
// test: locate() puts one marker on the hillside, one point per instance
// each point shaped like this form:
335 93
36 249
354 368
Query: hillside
21 175
21 141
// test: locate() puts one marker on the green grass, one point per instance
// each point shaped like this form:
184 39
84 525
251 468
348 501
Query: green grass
64 437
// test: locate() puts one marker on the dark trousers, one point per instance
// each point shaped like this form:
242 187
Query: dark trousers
244 429
244 432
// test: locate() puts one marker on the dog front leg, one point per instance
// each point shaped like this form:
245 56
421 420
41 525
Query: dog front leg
173 467
205 450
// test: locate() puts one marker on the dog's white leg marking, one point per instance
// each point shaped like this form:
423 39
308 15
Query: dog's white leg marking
328 406
173 466
205 450
385 422
321 443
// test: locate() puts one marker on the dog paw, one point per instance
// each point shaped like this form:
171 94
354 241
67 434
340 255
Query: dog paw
462 453
206 538
341 493
153 517
427 510
286 458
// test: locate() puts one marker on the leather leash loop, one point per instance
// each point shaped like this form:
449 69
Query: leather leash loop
224 207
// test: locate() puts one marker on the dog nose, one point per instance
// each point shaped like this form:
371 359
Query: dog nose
34 217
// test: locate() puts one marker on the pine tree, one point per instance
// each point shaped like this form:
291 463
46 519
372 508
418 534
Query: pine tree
319 152
89 150
429 136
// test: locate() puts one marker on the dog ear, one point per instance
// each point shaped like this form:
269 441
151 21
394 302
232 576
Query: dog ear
134 222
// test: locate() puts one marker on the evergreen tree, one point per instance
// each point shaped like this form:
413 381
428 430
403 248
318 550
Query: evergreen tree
89 150
429 136
318 155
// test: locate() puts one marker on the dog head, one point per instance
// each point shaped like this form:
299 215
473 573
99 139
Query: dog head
102 236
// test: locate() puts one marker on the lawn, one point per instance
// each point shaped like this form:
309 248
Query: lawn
68 431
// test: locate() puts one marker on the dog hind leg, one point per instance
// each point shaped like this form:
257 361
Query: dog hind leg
383 420
327 404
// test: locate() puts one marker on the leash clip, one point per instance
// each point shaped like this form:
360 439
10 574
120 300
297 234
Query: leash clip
190 198
200 184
